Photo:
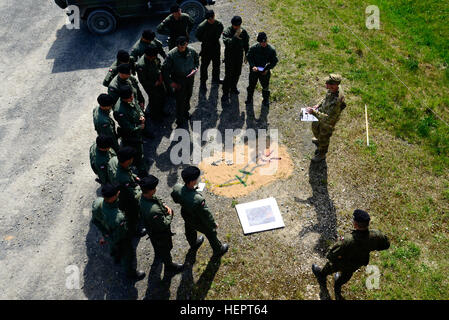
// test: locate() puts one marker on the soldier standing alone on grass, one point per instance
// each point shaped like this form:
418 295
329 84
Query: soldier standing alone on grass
328 113
209 33
176 25
113 225
157 218
196 214
236 41
351 252
261 55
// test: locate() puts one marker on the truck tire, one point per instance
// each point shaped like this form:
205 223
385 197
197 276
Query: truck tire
101 22
61 3
194 9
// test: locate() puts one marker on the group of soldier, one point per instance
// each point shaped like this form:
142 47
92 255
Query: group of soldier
128 207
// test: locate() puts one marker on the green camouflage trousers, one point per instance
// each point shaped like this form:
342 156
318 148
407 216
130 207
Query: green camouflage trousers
323 134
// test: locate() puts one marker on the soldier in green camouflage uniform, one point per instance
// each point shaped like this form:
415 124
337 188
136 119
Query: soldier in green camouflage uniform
112 223
236 41
176 25
122 58
148 40
119 172
103 123
196 214
131 123
260 55
123 80
157 218
150 76
100 153
351 252
209 33
328 113
177 73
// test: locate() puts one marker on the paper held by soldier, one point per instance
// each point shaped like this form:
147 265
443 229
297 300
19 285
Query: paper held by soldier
305 116
260 215
192 73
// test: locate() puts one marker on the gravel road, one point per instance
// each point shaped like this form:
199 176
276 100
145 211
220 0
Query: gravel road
52 76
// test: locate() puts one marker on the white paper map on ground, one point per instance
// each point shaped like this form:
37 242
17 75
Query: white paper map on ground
200 186
305 116
260 215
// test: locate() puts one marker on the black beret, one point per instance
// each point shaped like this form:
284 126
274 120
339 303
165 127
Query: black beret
126 92
174 8
124 68
109 190
151 51
181 40
262 37
236 21
190 173
148 34
122 55
361 216
104 142
209 14
149 183
105 100
125 153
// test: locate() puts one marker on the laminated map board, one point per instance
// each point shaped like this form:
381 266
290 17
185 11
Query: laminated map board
260 215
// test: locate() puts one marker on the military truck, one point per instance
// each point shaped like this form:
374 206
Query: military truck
101 16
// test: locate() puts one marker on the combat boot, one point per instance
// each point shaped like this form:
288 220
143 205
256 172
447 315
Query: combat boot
224 248
319 157
337 287
136 275
266 98
319 276
198 243
174 267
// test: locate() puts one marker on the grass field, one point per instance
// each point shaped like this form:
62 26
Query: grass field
401 73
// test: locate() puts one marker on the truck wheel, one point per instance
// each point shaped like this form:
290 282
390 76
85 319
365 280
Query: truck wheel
194 9
101 22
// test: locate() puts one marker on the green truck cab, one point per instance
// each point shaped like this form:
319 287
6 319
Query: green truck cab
101 16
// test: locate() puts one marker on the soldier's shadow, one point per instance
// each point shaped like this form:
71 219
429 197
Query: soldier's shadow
104 280
158 288
325 210
188 290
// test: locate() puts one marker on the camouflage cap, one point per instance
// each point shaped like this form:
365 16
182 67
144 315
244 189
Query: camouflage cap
333 78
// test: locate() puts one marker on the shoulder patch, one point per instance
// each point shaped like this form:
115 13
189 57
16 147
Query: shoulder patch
203 203
105 125
110 70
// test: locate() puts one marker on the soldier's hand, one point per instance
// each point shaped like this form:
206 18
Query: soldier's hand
170 211
255 69
309 110
102 241
142 119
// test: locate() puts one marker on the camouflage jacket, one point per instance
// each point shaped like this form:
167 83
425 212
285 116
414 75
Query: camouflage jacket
209 34
259 56
193 207
112 72
99 162
178 65
155 216
138 49
110 220
176 28
127 115
148 71
129 188
352 250
329 110
117 85
235 47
